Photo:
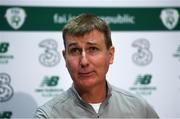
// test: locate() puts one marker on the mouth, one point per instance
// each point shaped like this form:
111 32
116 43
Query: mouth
86 74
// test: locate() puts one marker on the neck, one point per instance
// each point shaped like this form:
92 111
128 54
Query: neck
96 94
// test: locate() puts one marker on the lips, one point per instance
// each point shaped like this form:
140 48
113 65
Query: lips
85 74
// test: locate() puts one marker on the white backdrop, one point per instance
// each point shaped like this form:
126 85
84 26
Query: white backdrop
32 84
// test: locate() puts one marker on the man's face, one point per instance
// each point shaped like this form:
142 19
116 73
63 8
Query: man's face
87 58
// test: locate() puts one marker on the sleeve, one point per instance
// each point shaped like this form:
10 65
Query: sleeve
151 113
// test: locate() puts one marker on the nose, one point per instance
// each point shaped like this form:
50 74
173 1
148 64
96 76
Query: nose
84 59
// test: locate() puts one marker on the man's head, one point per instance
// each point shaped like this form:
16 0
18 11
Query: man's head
85 23
88 50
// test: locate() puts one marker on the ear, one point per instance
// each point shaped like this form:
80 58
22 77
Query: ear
111 54
64 54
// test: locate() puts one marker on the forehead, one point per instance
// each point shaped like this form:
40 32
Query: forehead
94 36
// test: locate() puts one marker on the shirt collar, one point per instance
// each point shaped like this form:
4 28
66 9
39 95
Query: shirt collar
109 92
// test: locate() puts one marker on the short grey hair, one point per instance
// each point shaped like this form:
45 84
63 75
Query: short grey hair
85 23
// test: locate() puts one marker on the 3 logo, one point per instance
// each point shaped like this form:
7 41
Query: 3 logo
51 56
15 17
6 91
143 56
169 18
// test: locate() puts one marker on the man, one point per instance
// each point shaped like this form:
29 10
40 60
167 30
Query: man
88 54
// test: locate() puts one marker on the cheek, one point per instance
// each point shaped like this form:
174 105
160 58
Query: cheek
101 63
72 65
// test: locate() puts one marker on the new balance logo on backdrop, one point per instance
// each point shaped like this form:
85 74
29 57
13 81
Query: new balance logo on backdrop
143 85
5 115
51 82
4 56
4 47
169 18
49 87
143 80
15 17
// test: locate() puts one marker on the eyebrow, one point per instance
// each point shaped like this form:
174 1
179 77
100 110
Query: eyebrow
91 43
72 44
75 43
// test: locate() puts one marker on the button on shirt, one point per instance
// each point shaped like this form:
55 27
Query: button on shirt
118 104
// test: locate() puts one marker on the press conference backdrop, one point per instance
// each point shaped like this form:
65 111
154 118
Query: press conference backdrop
146 35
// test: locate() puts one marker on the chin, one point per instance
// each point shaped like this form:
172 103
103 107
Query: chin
87 82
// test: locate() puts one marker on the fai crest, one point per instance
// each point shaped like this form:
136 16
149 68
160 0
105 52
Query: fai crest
15 17
169 18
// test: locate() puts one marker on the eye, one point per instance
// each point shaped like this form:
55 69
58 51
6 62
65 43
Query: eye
93 49
75 51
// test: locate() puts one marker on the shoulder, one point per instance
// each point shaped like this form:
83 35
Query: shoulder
56 103
123 93
63 97
133 102
129 98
